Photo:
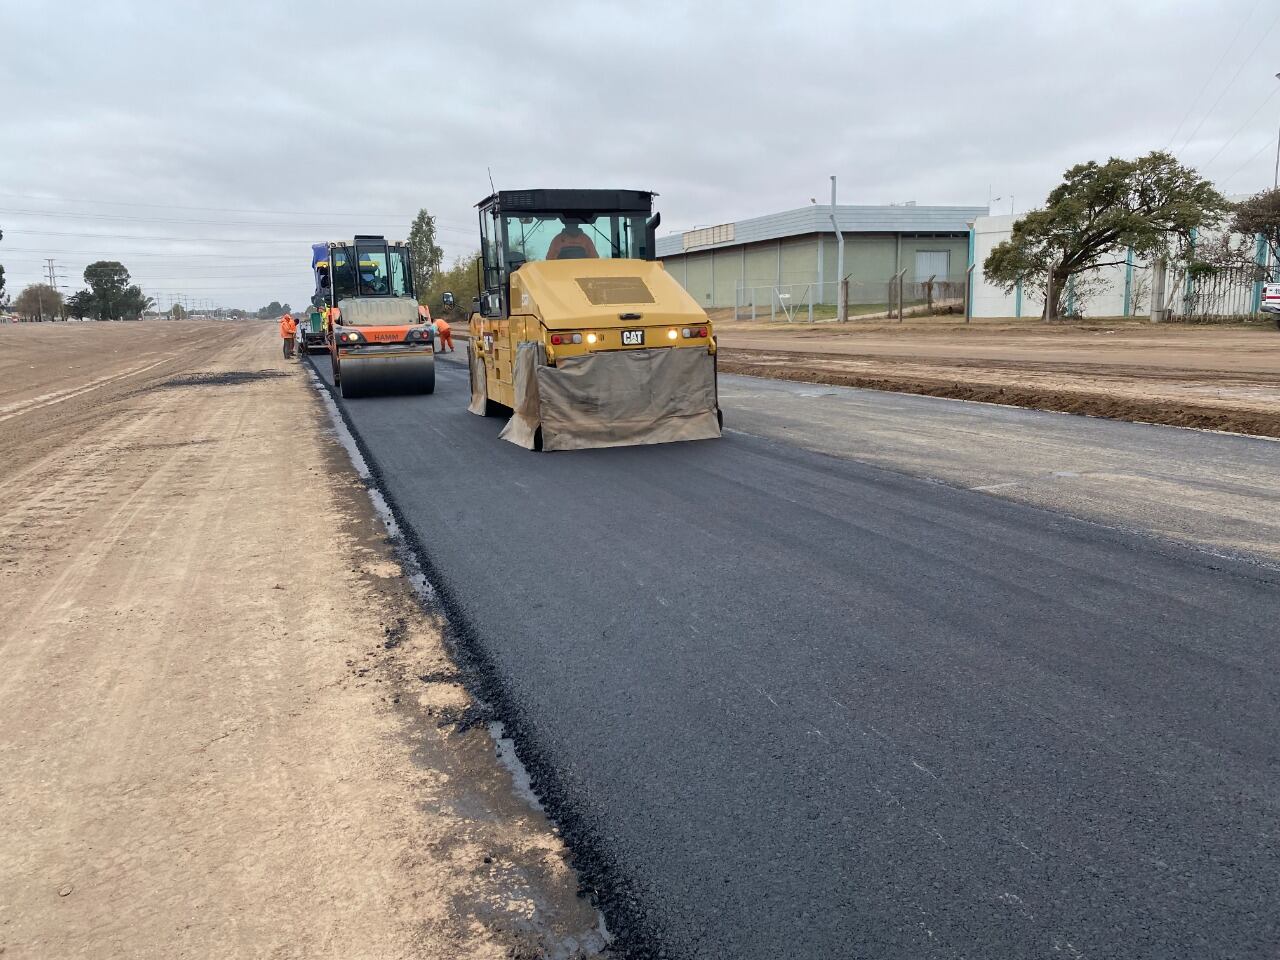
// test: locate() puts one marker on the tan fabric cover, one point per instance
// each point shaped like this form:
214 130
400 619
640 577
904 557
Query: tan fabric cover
479 382
614 399
379 312
520 429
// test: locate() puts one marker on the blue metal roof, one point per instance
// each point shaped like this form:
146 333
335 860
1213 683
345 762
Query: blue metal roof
816 219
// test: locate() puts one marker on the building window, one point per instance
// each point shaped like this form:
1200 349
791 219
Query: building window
932 263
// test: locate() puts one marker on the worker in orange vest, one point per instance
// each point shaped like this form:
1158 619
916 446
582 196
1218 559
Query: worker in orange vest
288 327
444 335
441 328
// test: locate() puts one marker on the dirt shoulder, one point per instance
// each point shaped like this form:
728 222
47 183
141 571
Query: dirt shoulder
1221 378
227 726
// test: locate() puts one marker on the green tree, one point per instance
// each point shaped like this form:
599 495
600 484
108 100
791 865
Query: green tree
38 302
460 280
108 279
425 252
1 272
81 305
1259 216
177 312
1151 204
134 303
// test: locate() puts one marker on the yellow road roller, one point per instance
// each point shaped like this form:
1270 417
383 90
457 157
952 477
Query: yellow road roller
579 335
380 341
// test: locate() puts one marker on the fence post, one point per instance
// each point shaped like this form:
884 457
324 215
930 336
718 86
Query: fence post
895 294
842 301
1158 270
902 279
968 293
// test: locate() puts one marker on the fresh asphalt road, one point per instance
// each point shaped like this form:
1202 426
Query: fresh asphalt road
1216 491
797 705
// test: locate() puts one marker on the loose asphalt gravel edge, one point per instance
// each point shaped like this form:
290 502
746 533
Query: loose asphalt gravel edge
632 932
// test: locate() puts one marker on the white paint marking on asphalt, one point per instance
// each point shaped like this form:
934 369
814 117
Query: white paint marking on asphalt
9 411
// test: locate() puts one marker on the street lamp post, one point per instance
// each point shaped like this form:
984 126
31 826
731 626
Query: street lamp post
1275 183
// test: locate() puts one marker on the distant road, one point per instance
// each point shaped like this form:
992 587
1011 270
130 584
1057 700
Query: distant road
817 697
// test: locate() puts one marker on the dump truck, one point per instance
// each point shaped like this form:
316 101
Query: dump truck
380 340
579 335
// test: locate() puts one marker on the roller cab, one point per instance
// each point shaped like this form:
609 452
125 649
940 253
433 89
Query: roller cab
580 337
379 340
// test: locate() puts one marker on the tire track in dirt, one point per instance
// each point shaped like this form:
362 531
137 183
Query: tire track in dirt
210 745
984 385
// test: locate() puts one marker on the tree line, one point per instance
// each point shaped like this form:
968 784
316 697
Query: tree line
1153 208
108 296
431 281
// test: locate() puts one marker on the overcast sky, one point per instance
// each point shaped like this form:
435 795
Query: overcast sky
205 145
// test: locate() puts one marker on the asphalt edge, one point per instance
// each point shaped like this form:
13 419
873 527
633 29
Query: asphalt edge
631 932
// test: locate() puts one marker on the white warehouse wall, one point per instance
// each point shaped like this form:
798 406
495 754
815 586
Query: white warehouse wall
1224 296
991 301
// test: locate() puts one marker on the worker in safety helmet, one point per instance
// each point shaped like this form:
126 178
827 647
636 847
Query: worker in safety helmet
571 243
287 330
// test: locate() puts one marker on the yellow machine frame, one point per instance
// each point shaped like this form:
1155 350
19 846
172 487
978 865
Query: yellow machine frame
549 303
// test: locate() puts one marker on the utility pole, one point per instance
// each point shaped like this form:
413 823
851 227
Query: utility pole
842 291
1276 180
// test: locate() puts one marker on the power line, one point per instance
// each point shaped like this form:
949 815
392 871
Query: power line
1266 100
166 265
1212 73
1231 82
178 206
126 236
384 218
1258 153
326 226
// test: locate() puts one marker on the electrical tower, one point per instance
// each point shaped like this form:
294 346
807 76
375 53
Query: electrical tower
51 271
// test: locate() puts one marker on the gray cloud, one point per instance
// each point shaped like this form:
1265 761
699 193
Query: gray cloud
321 110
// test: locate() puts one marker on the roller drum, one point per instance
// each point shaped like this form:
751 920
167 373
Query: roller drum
373 376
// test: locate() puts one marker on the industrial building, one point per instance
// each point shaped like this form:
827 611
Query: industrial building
787 261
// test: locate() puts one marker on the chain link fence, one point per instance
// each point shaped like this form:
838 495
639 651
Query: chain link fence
814 302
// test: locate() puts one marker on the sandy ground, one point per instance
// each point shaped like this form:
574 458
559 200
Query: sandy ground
227 728
1217 377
